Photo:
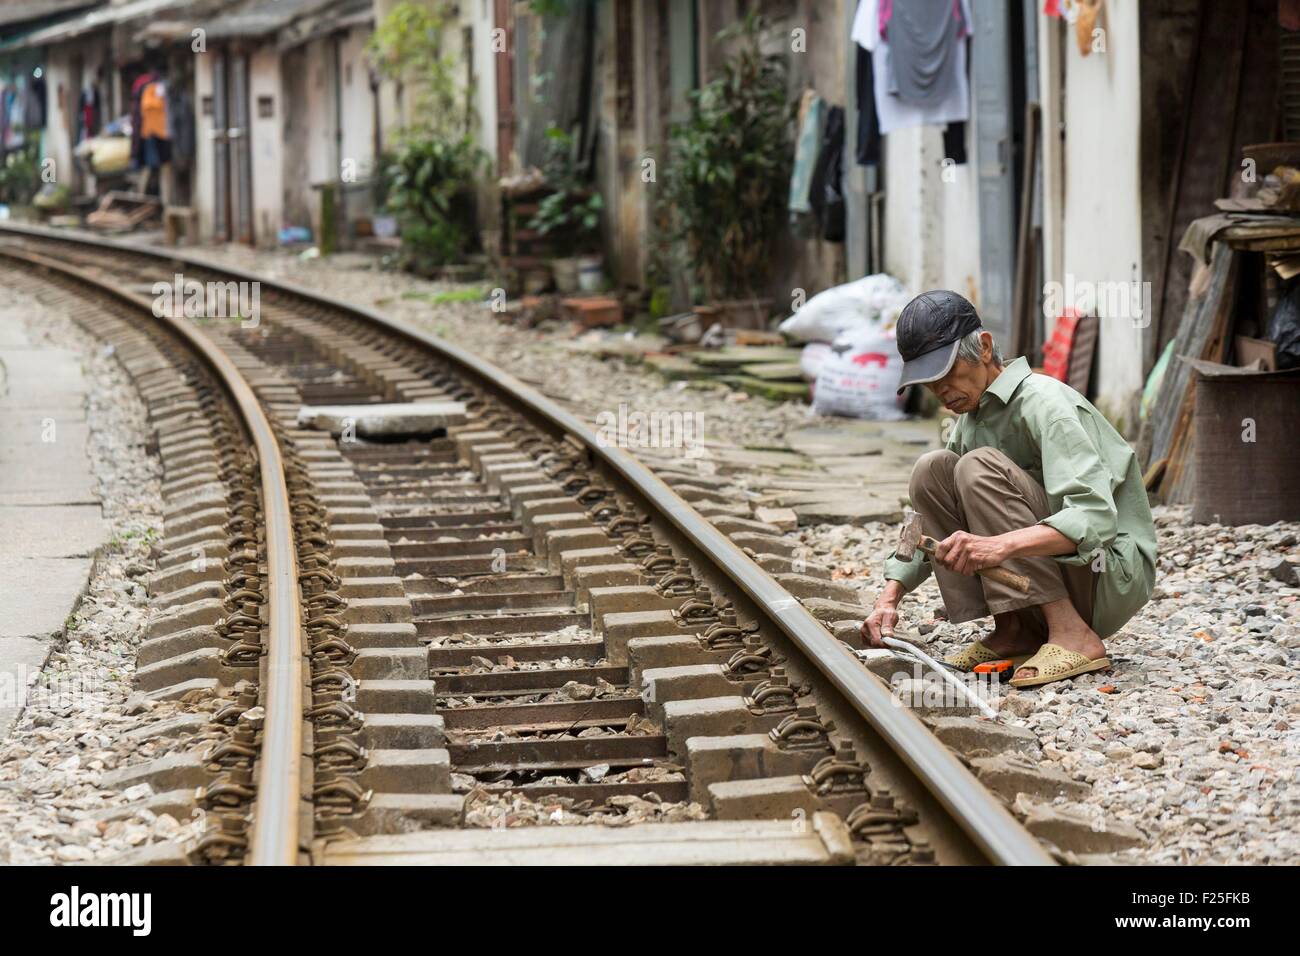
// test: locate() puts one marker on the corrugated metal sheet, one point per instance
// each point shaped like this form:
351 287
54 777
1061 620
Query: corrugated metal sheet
96 19
258 18
25 11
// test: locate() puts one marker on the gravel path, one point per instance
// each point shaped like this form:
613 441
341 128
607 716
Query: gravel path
81 714
1194 737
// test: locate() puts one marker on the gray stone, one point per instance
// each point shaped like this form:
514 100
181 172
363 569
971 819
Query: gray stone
1281 569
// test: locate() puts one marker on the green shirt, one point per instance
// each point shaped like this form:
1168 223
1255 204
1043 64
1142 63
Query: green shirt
1091 477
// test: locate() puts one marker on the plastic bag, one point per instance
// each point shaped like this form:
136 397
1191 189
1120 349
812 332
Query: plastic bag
812 358
844 307
859 379
1284 327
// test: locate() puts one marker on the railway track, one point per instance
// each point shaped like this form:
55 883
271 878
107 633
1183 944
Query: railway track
486 607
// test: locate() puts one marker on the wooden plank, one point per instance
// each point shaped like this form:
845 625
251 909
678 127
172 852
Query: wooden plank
1189 339
774 371
1203 333
736 356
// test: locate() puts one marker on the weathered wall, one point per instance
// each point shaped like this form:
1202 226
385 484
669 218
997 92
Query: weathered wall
931 214
1102 241
295 123
204 178
267 144
358 139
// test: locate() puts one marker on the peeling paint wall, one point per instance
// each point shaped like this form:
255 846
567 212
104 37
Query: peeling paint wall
267 144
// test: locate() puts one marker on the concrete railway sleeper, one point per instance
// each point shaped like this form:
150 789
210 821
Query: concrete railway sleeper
499 609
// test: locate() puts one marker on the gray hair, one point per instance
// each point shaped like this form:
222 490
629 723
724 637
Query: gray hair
971 349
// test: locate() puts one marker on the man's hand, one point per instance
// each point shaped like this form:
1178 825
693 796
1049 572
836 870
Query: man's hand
967 553
884 616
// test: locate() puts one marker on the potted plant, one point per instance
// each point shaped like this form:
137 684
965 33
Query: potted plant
727 176
431 194
570 216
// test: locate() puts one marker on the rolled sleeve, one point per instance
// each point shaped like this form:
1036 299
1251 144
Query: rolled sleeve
1075 475
910 574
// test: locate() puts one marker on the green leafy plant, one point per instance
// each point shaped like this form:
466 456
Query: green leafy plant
20 174
407 48
572 216
431 194
427 178
728 169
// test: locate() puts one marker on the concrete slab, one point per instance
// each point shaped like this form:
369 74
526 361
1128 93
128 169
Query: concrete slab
48 506
54 531
383 421
858 510
43 460
20 659
736 842
40 593
33 377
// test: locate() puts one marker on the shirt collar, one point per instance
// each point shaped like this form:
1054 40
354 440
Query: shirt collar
1005 385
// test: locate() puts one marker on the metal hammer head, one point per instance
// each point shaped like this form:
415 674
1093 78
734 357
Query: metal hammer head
909 537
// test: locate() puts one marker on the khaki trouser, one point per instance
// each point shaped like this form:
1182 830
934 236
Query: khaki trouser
986 493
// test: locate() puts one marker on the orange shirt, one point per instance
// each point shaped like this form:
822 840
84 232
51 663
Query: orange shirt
153 111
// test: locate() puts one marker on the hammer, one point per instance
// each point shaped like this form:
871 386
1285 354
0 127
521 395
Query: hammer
911 538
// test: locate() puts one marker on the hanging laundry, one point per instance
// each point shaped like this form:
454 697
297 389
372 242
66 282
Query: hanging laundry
137 141
924 37
13 110
954 143
868 149
866 25
828 179
153 110
891 111
805 153
1085 23
88 112
34 103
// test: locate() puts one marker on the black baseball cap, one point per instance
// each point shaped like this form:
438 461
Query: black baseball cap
928 333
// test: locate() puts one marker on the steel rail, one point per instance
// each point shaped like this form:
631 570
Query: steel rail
984 820
275 836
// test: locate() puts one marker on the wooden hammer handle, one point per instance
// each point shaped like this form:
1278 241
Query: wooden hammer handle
1009 578
995 573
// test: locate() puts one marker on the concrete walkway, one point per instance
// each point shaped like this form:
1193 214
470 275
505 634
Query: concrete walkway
50 519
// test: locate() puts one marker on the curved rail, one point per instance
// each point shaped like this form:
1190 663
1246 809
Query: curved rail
985 821
275 836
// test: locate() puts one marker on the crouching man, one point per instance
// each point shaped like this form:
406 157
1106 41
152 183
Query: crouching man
1033 478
